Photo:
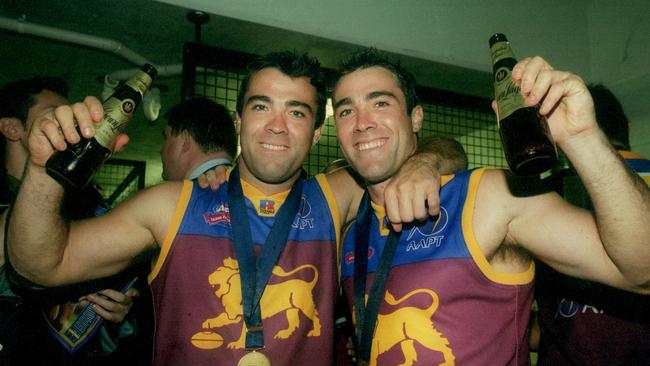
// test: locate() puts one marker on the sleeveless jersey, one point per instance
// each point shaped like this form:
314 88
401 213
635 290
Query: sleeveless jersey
443 302
196 282
587 323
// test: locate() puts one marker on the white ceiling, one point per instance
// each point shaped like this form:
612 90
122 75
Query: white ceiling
443 42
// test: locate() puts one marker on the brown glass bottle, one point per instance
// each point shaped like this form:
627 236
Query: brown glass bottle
525 136
75 166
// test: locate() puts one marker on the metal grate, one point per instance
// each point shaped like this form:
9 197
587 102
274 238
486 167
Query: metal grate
216 73
117 179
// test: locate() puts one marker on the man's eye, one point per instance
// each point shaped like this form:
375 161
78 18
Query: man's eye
381 103
259 107
345 112
297 114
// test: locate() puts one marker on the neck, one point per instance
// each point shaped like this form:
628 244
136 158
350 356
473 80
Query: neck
266 187
15 159
376 192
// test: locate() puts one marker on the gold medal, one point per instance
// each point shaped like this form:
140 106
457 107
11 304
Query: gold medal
254 358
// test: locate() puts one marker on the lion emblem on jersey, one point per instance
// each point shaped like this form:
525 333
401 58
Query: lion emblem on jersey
291 297
404 326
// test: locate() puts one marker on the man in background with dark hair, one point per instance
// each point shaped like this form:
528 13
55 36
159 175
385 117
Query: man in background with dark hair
200 135
24 338
582 322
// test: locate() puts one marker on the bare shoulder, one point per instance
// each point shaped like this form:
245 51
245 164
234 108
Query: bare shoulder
505 202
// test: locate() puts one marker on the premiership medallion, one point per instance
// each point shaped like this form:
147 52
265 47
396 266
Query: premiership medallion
254 358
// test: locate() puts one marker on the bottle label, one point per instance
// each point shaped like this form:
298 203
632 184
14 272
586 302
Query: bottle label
501 50
117 113
506 93
140 82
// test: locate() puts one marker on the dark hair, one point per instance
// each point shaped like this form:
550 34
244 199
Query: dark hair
294 65
371 57
610 116
17 97
209 123
449 149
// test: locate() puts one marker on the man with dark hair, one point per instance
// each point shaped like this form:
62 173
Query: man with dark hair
215 302
450 151
457 288
200 135
582 322
292 65
23 335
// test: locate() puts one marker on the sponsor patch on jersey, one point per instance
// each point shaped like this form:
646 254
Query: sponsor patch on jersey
303 219
267 207
219 214
349 256
418 240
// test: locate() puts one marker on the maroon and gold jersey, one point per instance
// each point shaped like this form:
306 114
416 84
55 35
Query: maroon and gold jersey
197 290
444 304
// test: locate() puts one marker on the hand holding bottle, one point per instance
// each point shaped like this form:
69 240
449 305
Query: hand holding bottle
75 166
562 96
55 128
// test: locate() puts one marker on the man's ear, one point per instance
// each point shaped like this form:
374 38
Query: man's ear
417 116
11 128
187 140
238 123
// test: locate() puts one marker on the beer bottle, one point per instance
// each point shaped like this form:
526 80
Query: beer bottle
525 136
75 166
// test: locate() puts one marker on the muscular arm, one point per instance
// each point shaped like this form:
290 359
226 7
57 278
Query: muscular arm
47 250
610 246
621 202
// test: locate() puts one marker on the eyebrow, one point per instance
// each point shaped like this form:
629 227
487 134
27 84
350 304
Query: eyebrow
380 93
369 96
261 98
297 103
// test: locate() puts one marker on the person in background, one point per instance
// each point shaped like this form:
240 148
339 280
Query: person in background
459 288
582 322
453 157
24 338
200 135
196 279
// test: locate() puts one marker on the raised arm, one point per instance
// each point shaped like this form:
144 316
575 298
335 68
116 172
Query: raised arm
46 249
612 246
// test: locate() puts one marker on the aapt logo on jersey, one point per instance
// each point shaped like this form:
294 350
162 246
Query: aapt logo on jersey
303 220
267 207
219 214
418 240
568 308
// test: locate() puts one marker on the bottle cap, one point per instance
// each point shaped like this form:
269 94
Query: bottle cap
498 37
150 70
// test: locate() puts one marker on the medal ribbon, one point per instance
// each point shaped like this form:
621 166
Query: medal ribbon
254 272
366 314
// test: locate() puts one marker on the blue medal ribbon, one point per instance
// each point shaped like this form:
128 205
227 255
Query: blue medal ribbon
366 313
255 272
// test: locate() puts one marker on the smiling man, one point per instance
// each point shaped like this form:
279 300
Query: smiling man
457 288
246 271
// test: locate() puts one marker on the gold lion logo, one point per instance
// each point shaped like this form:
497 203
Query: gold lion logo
293 296
404 326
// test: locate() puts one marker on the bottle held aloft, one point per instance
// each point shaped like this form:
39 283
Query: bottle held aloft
75 166
527 143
